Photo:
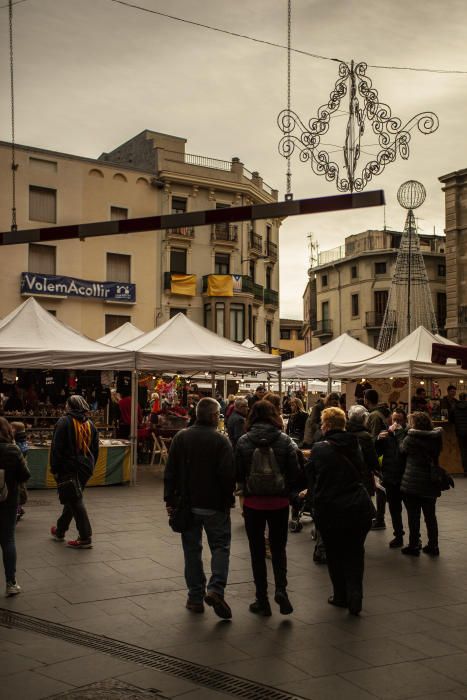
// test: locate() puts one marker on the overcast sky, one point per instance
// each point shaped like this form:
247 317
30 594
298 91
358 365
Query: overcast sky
91 74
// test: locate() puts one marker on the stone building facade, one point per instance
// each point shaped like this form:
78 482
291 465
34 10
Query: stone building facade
225 277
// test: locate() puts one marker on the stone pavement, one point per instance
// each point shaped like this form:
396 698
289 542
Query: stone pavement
410 641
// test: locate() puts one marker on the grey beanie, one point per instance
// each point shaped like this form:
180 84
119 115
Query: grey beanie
77 403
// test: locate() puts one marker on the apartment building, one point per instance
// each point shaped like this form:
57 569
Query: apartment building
348 287
225 277
292 343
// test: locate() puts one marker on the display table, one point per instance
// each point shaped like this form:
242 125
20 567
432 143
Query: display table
113 465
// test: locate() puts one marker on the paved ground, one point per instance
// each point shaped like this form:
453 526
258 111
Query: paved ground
410 641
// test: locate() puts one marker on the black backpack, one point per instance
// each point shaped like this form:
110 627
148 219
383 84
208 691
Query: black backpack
265 477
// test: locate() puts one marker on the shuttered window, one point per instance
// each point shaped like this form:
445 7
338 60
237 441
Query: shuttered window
112 322
117 213
42 259
118 267
42 204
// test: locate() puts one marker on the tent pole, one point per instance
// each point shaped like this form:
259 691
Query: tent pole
213 385
329 384
134 425
225 387
279 374
409 402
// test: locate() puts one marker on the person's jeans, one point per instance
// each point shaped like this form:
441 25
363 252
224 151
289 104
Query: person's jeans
7 541
218 533
278 527
415 506
394 499
76 510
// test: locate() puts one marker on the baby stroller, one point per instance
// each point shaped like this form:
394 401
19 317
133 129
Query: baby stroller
301 507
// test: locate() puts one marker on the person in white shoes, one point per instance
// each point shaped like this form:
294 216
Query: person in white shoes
13 472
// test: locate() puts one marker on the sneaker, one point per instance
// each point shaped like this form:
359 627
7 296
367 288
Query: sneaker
282 600
12 588
378 525
216 601
195 606
332 600
261 607
411 551
79 544
431 550
396 542
55 535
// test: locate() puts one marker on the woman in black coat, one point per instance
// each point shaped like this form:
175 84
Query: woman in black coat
267 472
422 448
297 420
15 473
342 508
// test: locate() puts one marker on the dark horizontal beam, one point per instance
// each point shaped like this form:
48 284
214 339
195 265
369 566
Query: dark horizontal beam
253 212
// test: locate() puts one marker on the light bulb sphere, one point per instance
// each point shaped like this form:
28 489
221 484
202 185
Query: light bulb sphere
411 194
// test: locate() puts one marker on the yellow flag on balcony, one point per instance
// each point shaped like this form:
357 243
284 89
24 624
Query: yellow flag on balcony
183 284
220 286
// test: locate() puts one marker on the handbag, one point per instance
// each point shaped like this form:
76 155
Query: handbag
181 517
69 490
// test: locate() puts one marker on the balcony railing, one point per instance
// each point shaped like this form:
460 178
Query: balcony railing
271 250
323 328
245 286
256 242
271 298
168 281
224 232
181 232
374 319
258 292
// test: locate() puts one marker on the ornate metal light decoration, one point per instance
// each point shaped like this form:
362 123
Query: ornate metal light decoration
364 107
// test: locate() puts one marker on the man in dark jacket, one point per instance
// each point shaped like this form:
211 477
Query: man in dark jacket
257 396
388 447
236 423
458 416
200 465
73 455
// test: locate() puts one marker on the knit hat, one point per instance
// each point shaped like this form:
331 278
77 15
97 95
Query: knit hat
77 403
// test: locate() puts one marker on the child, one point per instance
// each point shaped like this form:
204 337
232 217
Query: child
19 433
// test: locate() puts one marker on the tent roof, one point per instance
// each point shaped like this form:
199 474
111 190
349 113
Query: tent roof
411 355
182 345
319 363
121 335
32 338
249 344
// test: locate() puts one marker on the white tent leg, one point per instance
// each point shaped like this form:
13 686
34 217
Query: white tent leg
409 401
225 387
279 375
329 385
134 425
213 385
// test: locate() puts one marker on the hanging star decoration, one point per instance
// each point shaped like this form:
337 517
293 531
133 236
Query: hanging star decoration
364 108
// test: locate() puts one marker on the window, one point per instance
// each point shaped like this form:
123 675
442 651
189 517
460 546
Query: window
250 321
237 322
253 270
42 204
381 300
441 270
174 310
118 267
268 277
380 268
255 324
220 310
112 322
42 259
285 333
117 213
441 309
354 272
325 310
207 316
268 234
269 334
178 205
324 280
355 310
178 260
222 264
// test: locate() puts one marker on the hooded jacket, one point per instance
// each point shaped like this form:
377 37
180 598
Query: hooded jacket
422 449
285 452
370 458
16 472
69 454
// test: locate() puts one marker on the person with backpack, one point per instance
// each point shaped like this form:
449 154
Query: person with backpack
13 472
73 455
267 470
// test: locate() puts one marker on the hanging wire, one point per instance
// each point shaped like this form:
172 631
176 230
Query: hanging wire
14 165
288 186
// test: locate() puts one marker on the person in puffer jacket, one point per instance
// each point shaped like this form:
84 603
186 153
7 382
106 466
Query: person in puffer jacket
263 426
422 448
458 416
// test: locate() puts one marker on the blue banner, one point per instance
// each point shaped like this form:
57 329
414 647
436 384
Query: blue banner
55 285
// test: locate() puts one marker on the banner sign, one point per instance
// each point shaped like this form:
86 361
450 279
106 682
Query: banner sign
55 285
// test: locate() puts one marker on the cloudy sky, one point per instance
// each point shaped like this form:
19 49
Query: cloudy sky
92 73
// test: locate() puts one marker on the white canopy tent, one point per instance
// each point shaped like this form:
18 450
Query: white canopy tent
249 344
121 335
322 362
32 338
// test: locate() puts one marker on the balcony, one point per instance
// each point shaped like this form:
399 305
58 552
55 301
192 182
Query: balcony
271 250
256 243
227 233
258 293
180 232
322 328
177 287
271 298
374 319
242 284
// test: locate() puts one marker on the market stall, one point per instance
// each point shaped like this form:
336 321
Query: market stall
121 335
